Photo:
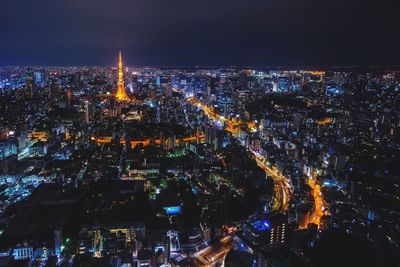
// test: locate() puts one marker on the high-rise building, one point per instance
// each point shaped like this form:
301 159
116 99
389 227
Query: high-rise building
22 252
269 231
209 132
263 235
121 93
128 145
58 241
208 93
87 112
174 244
69 97
218 139
39 79
7 148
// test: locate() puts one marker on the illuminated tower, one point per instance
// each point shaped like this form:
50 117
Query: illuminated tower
69 97
121 94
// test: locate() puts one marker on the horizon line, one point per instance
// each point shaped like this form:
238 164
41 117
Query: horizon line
243 67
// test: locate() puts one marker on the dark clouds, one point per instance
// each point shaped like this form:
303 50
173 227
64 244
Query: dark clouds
200 32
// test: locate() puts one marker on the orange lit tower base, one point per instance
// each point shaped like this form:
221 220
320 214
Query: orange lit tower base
121 95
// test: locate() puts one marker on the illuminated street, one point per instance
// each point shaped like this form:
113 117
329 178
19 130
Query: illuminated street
318 201
281 185
214 254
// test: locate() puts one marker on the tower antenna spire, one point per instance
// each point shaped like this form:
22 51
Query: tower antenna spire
121 93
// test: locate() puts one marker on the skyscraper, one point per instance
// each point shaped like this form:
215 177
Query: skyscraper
266 231
87 112
121 94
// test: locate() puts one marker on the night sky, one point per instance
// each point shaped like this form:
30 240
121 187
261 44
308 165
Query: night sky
300 33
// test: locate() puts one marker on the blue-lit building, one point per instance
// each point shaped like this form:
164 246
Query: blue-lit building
283 84
265 231
38 79
39 149
7 148
261 236
172 210
23 252
334 91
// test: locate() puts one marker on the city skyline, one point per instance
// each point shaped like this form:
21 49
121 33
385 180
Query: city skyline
188 133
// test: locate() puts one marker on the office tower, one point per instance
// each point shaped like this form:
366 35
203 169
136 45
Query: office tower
87 112
269 231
